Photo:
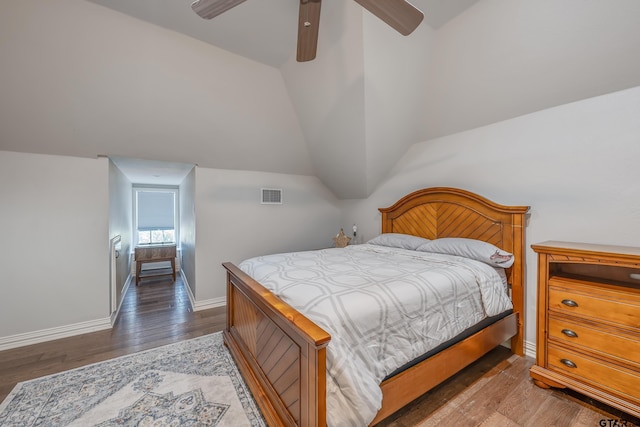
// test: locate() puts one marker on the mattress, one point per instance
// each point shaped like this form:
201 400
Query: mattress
383 307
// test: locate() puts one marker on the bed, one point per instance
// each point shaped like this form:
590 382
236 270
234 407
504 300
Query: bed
282 354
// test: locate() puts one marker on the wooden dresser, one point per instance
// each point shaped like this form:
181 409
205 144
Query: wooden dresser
588 336
155 253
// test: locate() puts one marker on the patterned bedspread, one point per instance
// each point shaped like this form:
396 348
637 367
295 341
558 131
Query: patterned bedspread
383 308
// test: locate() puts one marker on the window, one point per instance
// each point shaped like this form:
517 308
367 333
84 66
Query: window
155 215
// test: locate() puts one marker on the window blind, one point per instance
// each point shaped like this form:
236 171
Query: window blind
155 210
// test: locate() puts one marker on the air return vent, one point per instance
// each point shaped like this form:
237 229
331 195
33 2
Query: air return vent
272 196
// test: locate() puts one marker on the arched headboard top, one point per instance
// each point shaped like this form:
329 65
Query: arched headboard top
451 212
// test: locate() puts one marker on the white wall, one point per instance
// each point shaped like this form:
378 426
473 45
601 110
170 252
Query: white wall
119 86
328 96
361 100
232 225
120 220
55 250
60 213
396 71
188 229
575 165
504 58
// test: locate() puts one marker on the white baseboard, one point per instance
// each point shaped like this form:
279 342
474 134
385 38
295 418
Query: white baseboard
192 299
201 305
35 337
210 303
125 288
530 349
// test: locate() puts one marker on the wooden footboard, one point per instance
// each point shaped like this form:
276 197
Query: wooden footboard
280 353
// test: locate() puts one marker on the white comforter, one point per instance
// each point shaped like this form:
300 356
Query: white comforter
383 308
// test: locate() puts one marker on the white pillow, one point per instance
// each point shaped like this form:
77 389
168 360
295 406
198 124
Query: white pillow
397 240
470 248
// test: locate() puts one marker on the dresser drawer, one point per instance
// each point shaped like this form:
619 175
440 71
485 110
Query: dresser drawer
626 347
597 372
603 304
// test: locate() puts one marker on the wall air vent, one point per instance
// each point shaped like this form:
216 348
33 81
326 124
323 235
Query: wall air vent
272 196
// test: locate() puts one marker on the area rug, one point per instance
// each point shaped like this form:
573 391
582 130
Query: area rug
191 383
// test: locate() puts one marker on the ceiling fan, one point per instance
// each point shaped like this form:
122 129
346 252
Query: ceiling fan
399 14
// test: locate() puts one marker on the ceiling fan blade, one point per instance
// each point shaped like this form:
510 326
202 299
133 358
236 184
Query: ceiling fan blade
308 25
399 14
208 9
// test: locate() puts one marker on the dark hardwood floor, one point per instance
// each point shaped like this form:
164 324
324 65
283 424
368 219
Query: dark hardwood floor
494 391
153 314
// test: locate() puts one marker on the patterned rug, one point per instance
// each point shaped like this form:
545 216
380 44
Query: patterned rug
191 383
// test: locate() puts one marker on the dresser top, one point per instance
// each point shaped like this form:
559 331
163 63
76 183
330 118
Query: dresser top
585 248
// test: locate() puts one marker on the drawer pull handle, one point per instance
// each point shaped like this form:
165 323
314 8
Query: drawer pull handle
570 333
568 363
569 303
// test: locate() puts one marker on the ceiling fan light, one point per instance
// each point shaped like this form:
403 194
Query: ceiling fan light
399 14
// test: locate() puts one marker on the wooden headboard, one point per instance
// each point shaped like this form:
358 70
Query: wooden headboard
451 212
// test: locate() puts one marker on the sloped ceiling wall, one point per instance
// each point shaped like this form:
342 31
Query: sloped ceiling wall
328 94
361 100
502 59
497 60
81 79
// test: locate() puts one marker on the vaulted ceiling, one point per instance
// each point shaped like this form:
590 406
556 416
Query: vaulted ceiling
348 155
149 79
264 31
